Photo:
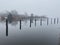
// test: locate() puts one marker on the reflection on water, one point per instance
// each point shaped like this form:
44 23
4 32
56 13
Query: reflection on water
39 35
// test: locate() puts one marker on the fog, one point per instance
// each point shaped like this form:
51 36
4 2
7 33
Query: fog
50 8
39 35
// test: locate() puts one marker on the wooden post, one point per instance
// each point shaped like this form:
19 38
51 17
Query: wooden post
35 22
51 20
57 20
30 22
47 21
41 21
6 27
54 20
20 24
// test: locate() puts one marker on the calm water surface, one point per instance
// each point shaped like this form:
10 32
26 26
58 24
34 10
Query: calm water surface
39 35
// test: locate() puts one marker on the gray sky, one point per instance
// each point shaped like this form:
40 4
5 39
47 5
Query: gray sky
38 7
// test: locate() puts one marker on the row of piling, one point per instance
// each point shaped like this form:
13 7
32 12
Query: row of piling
31 22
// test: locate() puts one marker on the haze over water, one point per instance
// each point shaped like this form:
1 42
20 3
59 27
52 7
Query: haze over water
39 35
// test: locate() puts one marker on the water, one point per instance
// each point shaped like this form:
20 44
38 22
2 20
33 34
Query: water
39 35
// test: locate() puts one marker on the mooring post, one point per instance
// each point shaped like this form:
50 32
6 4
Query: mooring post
6 27
47 21
57 20
41 21
35 22
51 20
30 22
20 24
54 20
